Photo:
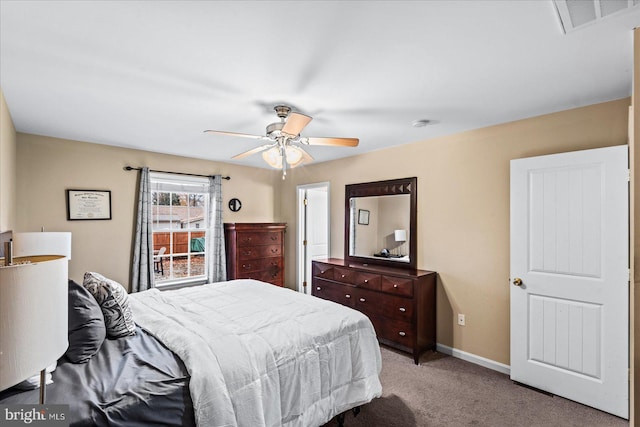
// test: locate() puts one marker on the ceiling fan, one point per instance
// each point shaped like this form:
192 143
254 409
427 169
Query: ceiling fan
283 141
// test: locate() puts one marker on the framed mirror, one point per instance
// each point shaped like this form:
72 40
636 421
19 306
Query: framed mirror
381 223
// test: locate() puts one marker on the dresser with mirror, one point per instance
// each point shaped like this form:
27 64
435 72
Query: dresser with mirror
378 274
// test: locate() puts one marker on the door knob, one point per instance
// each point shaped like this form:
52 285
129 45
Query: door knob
517 281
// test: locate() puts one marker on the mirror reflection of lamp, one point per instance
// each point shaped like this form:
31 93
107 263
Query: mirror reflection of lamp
400 236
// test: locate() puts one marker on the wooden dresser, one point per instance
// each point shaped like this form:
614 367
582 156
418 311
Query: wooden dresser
400 303
255 251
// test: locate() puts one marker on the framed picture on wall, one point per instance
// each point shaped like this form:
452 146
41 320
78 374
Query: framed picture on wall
363 216
88 204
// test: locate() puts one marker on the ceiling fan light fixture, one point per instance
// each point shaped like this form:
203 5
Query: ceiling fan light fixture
273 158
294 155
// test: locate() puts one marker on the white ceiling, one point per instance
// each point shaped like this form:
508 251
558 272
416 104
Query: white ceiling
154 75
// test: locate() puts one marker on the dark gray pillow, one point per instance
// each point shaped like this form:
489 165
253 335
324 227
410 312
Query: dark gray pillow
86 324
114 303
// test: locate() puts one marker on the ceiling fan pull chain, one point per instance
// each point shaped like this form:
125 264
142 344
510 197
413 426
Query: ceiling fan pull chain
283 153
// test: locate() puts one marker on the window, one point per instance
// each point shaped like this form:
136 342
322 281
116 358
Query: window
180 206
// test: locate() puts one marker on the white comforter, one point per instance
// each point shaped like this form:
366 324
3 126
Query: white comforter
259 355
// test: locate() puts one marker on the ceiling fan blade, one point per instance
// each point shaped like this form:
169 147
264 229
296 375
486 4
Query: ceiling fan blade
252 151
244 135
295 123
344 142
306 157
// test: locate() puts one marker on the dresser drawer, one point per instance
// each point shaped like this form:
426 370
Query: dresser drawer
274 264
344 275
253 252
322 270
342 294
397 285
397 331
259 238
389 306
367 280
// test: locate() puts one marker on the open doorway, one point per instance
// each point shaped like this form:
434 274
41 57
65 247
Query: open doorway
313 231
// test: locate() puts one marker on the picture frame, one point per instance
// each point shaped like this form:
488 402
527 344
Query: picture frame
88 205
363 217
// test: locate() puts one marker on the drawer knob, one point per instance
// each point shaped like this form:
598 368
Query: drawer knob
342 276
347 296
274 237
362 300
402 334
395 285
318 288
366 280
322 271
402 309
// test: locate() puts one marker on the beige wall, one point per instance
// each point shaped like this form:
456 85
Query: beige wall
7 168
49 166
463 209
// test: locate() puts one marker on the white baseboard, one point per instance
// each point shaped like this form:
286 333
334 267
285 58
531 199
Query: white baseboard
478 360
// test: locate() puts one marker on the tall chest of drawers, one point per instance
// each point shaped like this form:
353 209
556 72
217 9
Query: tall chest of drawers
400 303
255 251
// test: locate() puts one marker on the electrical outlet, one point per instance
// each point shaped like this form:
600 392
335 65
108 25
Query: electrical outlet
461 319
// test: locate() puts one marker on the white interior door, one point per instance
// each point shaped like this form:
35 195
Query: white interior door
570 276
313 239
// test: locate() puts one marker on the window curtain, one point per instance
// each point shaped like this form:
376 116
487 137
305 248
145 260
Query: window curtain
142 276
215 230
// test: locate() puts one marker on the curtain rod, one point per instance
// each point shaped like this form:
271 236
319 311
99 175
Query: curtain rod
131 168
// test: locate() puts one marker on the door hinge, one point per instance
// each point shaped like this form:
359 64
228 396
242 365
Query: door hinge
304 242
628 175
306 202
304 284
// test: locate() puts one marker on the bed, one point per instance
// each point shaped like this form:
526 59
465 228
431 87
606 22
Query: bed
236 353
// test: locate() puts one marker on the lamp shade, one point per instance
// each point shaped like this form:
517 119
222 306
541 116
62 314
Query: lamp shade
42 243
400 235
273 158
33 316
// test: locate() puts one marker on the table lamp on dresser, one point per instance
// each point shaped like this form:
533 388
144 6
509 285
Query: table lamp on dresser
33 306
401 237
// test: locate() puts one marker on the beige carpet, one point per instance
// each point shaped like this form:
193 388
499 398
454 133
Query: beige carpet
446 391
